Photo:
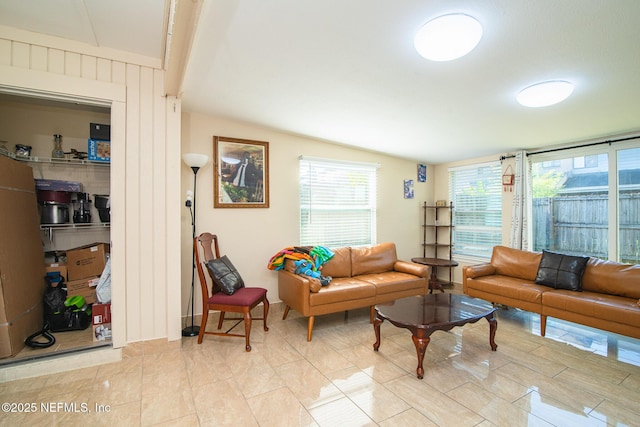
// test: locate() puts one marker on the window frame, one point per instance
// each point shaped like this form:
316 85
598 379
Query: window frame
611 150
358 191
496 194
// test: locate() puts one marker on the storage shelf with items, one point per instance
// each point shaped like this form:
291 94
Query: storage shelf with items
69 206
61 143
58 161
49 229
437 241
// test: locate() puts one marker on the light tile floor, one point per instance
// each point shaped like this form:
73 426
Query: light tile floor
575 376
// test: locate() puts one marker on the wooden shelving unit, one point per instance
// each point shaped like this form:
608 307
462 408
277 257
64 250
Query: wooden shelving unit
437 236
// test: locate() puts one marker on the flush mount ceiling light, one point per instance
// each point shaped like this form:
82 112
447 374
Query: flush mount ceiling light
448 37
545 93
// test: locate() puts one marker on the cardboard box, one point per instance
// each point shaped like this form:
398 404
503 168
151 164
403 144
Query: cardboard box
86 261
59 267
99 131
101 314
22 282
99 151
84 287
58 185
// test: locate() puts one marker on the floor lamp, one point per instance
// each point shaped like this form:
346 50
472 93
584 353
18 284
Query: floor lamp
195 162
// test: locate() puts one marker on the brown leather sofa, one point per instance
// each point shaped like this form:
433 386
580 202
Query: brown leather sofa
361 277
609 300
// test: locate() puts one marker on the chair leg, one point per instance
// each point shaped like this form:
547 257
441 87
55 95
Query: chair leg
543 324
286 312
221 320
203 325
265 303
247 328
310 327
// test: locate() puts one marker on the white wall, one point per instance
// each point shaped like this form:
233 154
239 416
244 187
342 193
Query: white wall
250 236
145 167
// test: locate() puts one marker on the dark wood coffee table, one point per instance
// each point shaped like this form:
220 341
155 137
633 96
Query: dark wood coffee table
423 315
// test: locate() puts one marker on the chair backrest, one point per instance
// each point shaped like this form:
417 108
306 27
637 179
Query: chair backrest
209 243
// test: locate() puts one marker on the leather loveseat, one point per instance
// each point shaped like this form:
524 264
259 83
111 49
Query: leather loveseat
609 298
360 277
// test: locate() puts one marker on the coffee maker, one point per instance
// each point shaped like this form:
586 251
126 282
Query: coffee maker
82 212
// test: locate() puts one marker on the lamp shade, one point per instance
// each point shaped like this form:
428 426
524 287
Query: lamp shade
195 160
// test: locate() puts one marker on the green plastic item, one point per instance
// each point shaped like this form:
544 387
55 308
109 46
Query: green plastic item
79 303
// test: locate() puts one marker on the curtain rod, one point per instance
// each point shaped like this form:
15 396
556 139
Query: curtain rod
609 141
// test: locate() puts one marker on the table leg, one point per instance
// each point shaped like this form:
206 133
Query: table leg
421 348
433 280
493 326
376 328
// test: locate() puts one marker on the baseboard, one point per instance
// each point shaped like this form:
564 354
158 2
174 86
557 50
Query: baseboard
62 363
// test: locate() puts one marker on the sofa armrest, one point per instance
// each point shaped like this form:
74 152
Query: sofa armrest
294 291
473 271
416 269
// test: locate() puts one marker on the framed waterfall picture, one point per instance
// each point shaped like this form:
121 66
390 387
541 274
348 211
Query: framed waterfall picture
241 177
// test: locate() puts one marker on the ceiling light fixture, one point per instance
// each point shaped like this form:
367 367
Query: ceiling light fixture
448 37
545 93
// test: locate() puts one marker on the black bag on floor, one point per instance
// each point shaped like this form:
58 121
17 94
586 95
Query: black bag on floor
53 301
60 314
75 316
65 314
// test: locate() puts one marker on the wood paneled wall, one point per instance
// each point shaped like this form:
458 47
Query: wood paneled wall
145 167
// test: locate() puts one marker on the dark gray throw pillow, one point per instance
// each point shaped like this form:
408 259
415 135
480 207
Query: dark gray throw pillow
561 271
225 276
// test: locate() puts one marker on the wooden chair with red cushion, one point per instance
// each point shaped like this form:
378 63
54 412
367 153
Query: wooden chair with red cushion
242 301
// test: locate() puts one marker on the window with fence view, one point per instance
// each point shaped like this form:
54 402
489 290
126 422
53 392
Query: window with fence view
582 205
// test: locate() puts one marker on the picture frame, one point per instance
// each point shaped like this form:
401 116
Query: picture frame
422 172
241 177
408 189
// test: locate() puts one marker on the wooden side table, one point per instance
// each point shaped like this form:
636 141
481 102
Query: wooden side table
434 263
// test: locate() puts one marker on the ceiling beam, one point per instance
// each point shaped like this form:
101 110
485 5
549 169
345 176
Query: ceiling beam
181 29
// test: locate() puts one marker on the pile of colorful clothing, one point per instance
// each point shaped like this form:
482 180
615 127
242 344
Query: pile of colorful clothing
308 261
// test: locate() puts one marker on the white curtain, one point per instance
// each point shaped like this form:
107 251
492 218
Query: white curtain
520 233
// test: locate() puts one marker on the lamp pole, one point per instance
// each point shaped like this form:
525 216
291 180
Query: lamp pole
195 161
192 331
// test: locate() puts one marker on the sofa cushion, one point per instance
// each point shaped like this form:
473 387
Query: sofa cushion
561 271
515 262
373 259
510 287
342 289
394 281
339 265
610 277
595 305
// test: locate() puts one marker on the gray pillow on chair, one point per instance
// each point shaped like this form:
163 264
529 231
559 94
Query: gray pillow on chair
225 276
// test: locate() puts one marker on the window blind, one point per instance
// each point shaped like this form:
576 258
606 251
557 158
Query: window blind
476 193
337 202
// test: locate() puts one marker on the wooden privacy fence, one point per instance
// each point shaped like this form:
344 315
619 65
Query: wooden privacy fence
575 224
